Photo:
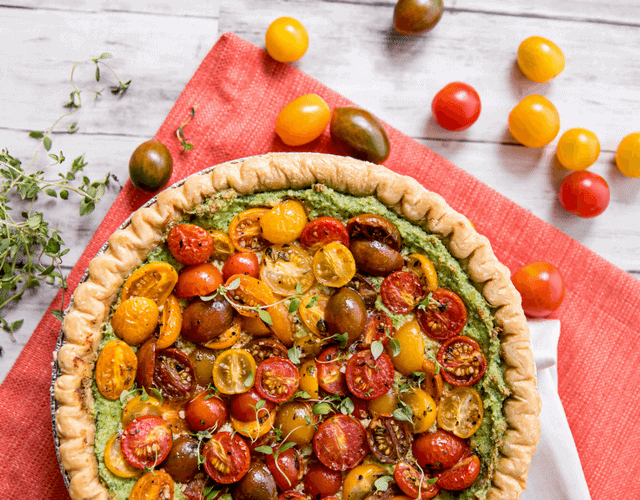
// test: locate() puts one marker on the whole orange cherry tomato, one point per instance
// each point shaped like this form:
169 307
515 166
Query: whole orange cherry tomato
578 149
542 288
534 122
540 59
628 155
286 39
303 120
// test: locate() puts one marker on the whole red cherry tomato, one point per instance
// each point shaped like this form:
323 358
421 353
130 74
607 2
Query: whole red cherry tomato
320 481
198 280
461 475
322 230
241 263
584 194
205 411
190 244
243 406
542 288
456 107
288 471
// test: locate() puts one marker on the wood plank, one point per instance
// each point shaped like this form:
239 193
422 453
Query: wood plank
199 8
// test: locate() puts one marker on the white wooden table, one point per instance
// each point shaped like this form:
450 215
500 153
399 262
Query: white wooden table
158 44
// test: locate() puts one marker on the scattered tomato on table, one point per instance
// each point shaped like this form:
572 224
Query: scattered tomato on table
542 288
359 134
534 122
540 59
456 106
150 166
286 39
578 149
628 155
584 194
303 120
414 17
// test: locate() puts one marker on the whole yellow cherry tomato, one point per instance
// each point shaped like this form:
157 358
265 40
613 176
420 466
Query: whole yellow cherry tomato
534 122
286 39
309 379
578 149
411 355
540 59
423 407
628 155
303 120
284 222
386 403
135 320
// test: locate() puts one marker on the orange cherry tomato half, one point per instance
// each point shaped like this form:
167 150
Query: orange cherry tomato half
461 411
334 265
444 317
286 39
154 280
584 194
198 280
456 106
245 231
369 378
153 485
222 245
534 122
226 457
146 441
542 288
249 293
412 482
170 322
303 120
331 377
461 475
277 379
540 59
190 244
340 442
462 361
628 155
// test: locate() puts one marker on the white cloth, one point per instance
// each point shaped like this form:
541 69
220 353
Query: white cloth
555 473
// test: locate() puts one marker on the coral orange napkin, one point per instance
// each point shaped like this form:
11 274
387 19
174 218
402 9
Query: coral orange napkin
239 91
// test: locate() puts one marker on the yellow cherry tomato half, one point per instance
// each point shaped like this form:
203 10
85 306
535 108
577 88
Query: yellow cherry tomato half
309 379
411 355
359 481
286 39
578 149
234 371
135 320
284 222
115 461
222 245
628 155
303 120
153 485
311 310
423 407
115 369
140 406
540 59
170 323
534 122
334 265
424 269
154 280
461 411
255 428
229 337
385 404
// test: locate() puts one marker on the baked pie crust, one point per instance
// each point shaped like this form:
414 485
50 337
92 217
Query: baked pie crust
127 249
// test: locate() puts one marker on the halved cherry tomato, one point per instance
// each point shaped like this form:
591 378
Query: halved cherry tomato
277 379
259 426
534 122
198 280
401 292
226 457
245 231
423 407
249 294
234 371
322 230
456 106
154 280
462 475
369 378
320 481
170 322
283 326
334 265
146 356
628 155
265 348
292 495
174 374
241 263
153 485
285 268
439 449
312 311
423 268
284 223
461 411
542 288
140 406
115 461
146 441
388 438
287 469
540 59
379 328
432 383
365 288
194 489
135 320
115 369
374 227
254 326
205 411
585 194
413 483
303 120
444 317
229 337
462 361
286 39
330 375
190 244
340 442
244 406
222 245
359 483
309 379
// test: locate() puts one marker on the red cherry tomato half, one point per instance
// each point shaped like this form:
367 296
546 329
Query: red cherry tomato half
542 288
241 263
146 441
456 107
369 378
401 292
379 327
288 472
462 361
190 244
243 406
439 449
444 317
318 232
461 475
226 457
320 481
330 377
412 482
198 280
277 379
584 194
340 442
205 411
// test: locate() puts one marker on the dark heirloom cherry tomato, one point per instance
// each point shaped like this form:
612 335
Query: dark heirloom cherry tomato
388 438
369 378
320 481
330 377
318 232
379 327
462 361
456 106
174 374
257 484
204 321
241 263
340 442
584 194
146 441
374 227
182 461
414 17
150 166
205 411
461 475
277 379
376 258
365 288
359 134
265 348
542 288
401 292
245 231
194 489
226 457
289 470
190 244
243 406
444 317
146 363
412 482
439 449
360 408
198 280
346 313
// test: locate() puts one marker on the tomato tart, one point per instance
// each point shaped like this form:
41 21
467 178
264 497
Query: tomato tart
296 326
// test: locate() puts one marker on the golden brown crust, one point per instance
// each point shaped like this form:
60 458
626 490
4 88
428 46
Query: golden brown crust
128 248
